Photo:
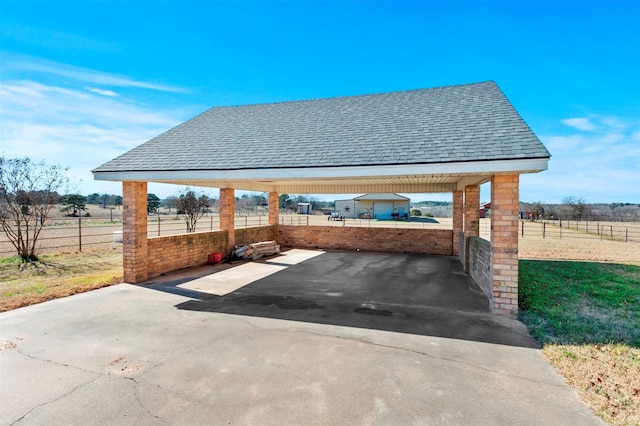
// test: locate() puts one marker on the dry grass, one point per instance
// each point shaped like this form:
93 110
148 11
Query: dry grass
58 275
605 377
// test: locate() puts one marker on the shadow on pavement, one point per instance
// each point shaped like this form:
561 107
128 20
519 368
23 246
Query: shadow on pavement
403 293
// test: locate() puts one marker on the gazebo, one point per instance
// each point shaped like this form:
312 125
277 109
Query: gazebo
446 139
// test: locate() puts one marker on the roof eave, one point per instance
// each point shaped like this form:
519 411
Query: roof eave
528 165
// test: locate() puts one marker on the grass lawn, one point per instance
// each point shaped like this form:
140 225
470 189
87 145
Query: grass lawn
587 316
57 275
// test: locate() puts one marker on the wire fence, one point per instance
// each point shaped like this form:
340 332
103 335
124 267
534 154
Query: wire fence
81 233
594 230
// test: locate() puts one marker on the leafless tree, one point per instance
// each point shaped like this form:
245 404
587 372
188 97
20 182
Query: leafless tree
576 207
28 192
191 207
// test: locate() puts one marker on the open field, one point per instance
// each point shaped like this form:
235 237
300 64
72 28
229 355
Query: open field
97 232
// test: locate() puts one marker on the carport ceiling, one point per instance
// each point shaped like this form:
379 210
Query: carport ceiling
428 140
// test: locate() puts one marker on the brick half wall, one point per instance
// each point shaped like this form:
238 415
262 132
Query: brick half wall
171 253
419 241
480 265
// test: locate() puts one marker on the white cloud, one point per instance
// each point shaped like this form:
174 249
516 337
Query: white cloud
15 63
599 166
102 92
80 128
579 123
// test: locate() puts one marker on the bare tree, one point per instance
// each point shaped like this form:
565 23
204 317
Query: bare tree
192 208
576 207
28 192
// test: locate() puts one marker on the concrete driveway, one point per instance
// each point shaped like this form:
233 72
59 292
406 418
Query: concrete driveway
303 338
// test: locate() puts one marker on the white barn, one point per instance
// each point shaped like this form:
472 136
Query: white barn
374 206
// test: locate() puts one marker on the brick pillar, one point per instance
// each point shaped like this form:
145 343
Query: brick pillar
471 222
458 220
274 208
227 216
134 232
504 243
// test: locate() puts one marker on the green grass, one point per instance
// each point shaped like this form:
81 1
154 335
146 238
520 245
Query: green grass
587 316
580 302
10 260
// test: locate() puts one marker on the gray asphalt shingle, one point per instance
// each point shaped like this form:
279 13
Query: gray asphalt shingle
472 122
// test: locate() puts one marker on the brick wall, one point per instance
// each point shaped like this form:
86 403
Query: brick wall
255 234
227 203
458 220
480 265
134 219
462 248
504 236
471 225
421 241
274 208
166 254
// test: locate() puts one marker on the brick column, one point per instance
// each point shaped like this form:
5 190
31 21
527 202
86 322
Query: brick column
471 222
134 232
504 243
227 216
458 220
274 208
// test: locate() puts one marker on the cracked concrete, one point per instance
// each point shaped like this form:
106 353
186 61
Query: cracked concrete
134 355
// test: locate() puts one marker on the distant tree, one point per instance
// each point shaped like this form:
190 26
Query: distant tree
575 207
192 207
538 209
153 202
28 192
104 199
93 198
74 203
284 201
117 201
169 202
416 212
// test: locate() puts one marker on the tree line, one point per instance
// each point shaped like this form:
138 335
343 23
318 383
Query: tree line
576 208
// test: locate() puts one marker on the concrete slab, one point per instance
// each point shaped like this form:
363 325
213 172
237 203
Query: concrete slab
135 355
227 280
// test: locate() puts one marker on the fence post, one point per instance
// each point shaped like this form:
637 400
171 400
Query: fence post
79 230
522 228
612 232
560 229
544 229
307 220
158 213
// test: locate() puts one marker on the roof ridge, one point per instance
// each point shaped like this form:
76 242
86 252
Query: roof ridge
362 95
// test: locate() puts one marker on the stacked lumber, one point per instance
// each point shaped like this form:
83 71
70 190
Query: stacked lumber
255 251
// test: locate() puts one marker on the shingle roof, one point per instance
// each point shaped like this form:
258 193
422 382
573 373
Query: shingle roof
472 122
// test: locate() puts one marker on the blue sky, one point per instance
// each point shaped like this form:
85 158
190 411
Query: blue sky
82 82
